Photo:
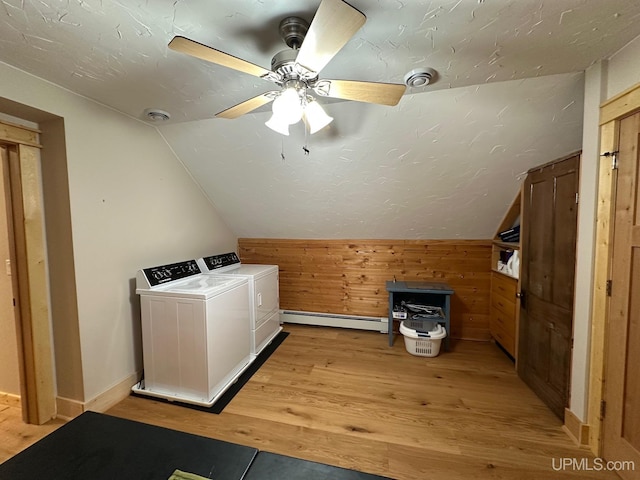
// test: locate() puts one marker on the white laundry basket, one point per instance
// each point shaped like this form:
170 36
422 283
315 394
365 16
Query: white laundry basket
423 344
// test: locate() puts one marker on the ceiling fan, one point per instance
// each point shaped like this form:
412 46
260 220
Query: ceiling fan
296 70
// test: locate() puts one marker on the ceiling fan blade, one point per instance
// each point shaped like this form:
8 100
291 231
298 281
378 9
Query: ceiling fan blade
247 106
333 25
195 49
370 92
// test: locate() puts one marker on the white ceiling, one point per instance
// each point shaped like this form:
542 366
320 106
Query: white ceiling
444 163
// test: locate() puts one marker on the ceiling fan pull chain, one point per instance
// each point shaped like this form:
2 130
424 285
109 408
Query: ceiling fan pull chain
305 147
282 150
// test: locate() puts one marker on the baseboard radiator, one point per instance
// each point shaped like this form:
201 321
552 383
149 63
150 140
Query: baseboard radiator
380 324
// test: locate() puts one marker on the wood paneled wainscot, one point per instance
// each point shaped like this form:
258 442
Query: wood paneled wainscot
348 276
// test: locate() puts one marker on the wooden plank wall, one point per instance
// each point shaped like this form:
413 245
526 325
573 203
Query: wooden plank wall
348 276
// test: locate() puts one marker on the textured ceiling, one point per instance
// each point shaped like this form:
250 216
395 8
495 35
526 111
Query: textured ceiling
444 163
116 51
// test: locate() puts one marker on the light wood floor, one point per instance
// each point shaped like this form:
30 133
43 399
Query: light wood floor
15 435
345 398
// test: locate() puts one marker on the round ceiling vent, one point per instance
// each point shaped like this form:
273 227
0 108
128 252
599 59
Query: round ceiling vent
156 115
419 77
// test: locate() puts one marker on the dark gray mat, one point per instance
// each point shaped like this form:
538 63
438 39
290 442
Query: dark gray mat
270 466
95 446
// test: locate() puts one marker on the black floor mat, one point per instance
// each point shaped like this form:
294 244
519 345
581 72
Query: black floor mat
271 466
231 392
95 446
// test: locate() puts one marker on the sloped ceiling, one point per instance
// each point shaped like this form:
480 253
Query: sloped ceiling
444 163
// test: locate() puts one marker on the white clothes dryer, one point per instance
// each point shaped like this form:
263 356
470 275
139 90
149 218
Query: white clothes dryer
264 294
196 332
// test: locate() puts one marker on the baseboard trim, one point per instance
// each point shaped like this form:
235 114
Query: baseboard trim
69 409
577 431
10 399
115 394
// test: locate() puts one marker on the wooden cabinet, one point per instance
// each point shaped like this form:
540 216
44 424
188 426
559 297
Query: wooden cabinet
503 313
505 305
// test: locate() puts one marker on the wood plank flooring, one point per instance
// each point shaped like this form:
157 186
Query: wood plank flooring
345 398
15 435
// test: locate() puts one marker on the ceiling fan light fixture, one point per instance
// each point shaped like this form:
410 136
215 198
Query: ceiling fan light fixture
315 117
311 47
277 125
287 107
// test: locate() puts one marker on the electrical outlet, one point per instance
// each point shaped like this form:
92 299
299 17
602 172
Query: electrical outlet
7 264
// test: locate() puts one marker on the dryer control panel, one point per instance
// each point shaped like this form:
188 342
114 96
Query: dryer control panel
167 273
223 260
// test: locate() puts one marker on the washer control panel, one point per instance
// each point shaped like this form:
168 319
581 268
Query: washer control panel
223 260
167 273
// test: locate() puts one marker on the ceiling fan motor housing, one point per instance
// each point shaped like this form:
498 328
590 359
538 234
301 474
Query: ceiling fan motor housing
284 65
283 62
293 31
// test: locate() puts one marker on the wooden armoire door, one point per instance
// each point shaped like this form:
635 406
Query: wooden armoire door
549 228
622 386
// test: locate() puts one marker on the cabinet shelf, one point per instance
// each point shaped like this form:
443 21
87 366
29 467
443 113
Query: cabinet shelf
511 245
504 274
505 304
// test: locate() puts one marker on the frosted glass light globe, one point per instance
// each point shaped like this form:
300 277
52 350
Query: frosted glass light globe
287 107
275 124
316 117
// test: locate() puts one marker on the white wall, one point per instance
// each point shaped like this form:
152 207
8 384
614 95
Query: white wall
624 69
133 205
602 82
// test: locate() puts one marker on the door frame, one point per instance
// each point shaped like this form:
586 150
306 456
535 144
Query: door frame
27 238
611 113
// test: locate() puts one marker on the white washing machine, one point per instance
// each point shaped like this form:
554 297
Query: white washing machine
264 297
196 332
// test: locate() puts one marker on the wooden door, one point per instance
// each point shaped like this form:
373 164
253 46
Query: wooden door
549 226
622 387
